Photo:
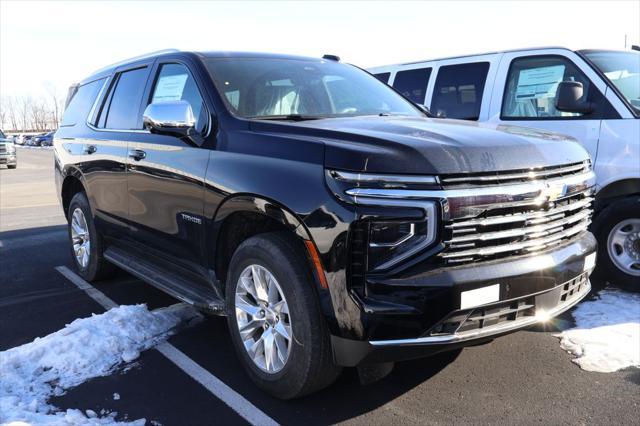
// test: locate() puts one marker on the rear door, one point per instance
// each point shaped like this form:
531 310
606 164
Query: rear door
166 175
525 93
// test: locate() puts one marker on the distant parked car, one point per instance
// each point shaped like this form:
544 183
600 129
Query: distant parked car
43 140
22 139
7 152
34 140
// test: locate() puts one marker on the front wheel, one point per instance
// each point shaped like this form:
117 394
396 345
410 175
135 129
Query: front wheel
275 320
617 230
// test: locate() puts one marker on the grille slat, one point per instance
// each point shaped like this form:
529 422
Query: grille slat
498 235
493 178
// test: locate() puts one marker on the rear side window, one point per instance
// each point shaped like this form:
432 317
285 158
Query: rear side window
124 104
383 76
175 83
80 103
458 91
413 83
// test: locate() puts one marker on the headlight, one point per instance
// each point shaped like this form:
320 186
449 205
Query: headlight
11 149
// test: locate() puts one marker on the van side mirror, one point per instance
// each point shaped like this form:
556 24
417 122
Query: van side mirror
173 118
569 98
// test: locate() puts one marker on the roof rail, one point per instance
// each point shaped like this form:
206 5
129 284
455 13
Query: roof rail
135 58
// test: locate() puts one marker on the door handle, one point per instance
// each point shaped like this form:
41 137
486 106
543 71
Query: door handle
137 154
90 149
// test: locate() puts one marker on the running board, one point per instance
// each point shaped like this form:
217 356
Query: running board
184 290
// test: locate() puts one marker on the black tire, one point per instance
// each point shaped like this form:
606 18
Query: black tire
309 366
98 268
606 270
12 166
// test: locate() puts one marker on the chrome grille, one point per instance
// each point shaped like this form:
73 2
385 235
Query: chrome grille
3 147
514 176
517 231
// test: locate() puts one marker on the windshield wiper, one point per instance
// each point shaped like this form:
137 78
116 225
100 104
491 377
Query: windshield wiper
292 117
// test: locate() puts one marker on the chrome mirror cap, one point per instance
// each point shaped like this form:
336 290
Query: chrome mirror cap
173 117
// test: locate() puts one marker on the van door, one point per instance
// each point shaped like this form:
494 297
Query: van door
166 177
525 94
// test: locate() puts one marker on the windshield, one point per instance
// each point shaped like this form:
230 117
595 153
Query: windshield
2 136
303 89
623 70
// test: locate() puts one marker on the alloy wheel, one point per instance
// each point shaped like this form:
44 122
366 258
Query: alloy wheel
263 319
80 238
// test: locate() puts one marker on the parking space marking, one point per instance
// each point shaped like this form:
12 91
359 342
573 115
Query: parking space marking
217 387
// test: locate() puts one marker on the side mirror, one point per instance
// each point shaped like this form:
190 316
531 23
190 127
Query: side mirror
569 98
174 118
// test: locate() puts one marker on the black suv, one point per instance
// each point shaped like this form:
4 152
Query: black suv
323 213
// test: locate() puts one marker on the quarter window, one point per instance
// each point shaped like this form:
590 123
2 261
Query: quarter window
80 104
413 83
532 84
458 91
383 76
175 83
124 107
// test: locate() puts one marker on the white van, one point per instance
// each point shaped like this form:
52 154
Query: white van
592 95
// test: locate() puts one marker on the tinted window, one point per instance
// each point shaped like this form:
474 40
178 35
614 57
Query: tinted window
532 84
383 77
79 106
458 91
413 83
623 70
278 88
175 83
124 108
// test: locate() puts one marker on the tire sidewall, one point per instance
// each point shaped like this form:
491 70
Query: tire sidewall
289 279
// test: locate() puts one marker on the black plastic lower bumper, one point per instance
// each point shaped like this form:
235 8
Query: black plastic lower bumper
532 289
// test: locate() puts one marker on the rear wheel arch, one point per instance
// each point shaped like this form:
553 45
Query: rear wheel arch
71 185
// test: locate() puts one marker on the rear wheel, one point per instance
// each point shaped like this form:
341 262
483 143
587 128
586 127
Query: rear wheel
86 243
274 318
617 230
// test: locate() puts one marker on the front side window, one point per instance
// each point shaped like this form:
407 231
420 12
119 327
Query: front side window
458 91
175 83
308 89
124 106
413 83
532 84
623 71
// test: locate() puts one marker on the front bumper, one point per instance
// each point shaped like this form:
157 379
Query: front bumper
8 159
532 289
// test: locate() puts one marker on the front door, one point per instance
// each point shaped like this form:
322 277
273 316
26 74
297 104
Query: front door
526 90
166 178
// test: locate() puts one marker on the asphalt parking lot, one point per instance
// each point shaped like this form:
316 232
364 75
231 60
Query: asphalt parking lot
522 378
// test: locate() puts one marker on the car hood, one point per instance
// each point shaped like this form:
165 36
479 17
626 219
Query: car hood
434 146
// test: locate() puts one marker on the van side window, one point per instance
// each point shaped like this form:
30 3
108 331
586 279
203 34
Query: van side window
458 91
80 104
413 83
532 84
175 83
383 77
124 106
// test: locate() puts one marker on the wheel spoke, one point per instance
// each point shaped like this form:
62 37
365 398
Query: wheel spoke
246 306
281 307
249 329
260 285
283 330
269 350
281 345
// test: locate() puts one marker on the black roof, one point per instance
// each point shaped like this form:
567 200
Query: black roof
108 70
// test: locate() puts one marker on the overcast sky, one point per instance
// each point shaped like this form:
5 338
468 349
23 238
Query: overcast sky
53 44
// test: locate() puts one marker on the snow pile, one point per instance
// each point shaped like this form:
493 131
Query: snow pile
607 337
86 348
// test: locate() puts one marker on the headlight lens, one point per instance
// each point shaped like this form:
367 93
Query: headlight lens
11 149
392 242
